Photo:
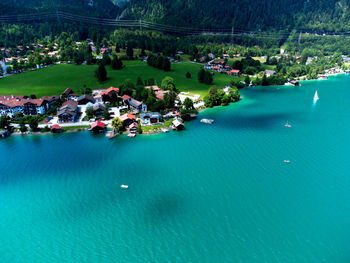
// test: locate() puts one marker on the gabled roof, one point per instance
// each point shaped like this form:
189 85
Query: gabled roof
67 91
135 103
127 116
49 98
99 106
97 124
109 90
55 127
70 103
154 87
126 97
86 97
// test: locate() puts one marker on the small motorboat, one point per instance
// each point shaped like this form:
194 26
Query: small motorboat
207 121
287 161
316 98
124 186
287 125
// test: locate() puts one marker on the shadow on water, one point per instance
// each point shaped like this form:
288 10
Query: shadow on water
261 121
163 207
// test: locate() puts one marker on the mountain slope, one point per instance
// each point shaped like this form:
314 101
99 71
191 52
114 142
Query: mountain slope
329 15
99 8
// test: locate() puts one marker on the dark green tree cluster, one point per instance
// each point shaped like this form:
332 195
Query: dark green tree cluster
217 97
205 76
159 62
101 73
248 66
116 63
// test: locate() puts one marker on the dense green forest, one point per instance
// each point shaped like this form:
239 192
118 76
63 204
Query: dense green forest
98 8
320 15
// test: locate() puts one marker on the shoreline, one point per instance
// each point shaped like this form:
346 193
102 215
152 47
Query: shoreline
159 131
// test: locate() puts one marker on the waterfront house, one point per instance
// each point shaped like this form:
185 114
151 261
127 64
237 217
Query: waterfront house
4 133
137 106
150 118
127 119
85 99
68 112
97 127
56 128
177 125
133 128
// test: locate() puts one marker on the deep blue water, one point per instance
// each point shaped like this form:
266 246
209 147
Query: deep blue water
219 193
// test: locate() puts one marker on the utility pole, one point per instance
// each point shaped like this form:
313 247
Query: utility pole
140 23
299 40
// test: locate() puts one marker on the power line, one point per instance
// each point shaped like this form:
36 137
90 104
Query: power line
140 24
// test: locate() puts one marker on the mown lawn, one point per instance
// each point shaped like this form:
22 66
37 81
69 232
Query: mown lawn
55 79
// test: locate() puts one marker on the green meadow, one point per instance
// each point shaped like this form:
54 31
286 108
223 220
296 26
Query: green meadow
55 79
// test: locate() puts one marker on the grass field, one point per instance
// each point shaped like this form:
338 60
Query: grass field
55 79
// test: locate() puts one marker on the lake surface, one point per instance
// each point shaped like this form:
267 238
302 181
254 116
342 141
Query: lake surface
219 193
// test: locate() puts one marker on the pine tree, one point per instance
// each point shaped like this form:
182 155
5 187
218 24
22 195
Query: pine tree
101 73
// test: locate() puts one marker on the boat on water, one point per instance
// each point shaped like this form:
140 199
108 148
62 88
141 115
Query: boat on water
207 121
165 130
287 125
124 186
287 161
131 135
316 98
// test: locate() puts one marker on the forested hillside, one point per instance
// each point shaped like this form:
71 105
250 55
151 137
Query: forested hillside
319 15
99 8
323 15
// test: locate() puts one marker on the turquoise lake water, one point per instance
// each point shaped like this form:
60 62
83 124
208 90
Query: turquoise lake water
219 193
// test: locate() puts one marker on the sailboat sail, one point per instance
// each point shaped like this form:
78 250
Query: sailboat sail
316 96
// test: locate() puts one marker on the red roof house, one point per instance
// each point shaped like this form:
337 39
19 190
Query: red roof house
126 97
97 127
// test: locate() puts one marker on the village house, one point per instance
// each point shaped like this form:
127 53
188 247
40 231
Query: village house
68 112
99 108
56 128
126 98
177 125
150 118
85 99
97 127
133 128
158 91
234 72
137 106
67 92
127 119
269 73
10 105
106 95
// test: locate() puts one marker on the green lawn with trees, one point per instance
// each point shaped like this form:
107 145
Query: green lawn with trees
55 79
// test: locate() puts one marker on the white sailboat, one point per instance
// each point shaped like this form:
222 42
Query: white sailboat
316 98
